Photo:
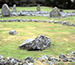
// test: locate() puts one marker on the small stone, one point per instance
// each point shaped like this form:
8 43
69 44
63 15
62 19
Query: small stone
9 58
63 23
44 57
62 56
55 21
51 59
38 59
56 59
29 59
1 57
12 32
65 59
30 64
73 53
51 63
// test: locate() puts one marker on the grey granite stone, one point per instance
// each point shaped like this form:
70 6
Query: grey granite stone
12 32
55 13
38 7
5 11
62 56
45 57
14 8
65 59
39 43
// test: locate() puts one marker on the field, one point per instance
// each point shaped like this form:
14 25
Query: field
63 37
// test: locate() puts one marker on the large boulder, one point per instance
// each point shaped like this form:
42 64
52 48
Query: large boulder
5 10
39 43
55 13
14 8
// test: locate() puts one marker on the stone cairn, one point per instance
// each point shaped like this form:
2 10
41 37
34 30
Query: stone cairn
39 43
14 8
38 8
55 13
5 10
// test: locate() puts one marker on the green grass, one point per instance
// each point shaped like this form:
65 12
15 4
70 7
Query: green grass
63 37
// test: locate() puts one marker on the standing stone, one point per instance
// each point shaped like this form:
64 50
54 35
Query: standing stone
55 13
38 7
5 10
14 8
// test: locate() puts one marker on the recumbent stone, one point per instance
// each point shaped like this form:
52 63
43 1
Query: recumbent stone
39 43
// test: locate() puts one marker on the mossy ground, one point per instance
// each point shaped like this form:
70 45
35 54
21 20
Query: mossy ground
63 37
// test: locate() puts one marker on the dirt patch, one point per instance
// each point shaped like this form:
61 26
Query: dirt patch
31 27
5 28
72 38
65 39
14 38
60 32
40 63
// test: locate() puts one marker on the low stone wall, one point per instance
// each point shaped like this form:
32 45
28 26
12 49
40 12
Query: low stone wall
35 20
62 59
39 13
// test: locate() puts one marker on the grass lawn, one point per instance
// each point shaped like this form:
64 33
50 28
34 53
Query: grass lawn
63 37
